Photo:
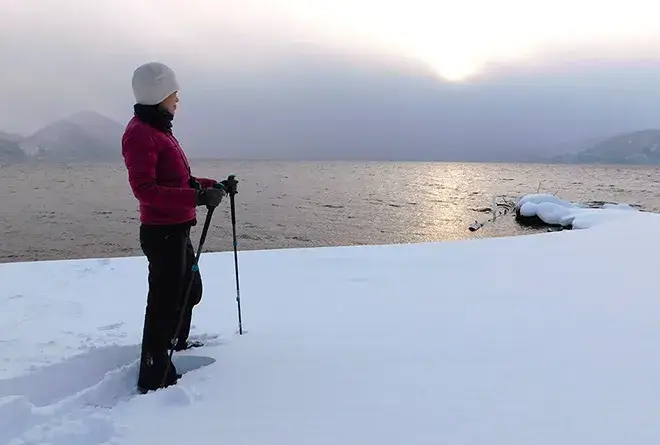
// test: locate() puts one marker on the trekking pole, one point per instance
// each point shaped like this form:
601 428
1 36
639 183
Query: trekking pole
232 182
195 268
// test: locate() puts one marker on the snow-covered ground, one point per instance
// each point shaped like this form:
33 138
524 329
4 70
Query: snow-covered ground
544 339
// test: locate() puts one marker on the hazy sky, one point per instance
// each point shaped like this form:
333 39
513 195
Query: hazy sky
350 77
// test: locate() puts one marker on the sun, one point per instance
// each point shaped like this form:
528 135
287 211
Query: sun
450 68
455 74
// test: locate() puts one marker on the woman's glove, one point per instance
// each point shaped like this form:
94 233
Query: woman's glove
229 185
209 197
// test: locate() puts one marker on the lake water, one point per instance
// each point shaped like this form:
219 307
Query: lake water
81 211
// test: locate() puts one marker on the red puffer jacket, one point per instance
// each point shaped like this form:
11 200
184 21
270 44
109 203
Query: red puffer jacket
159 175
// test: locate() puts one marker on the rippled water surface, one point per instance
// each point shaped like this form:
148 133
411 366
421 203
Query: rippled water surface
77 211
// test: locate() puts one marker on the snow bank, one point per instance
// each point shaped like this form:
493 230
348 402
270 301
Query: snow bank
409 344
550 210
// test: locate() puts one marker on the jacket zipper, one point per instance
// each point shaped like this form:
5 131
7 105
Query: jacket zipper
180 150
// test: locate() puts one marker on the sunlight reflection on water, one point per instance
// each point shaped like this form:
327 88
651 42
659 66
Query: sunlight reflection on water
51 212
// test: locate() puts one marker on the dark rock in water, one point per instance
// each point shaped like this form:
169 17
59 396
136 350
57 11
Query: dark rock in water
602 204
498 210
475 226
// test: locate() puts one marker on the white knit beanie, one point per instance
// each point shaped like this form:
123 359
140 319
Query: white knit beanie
153 82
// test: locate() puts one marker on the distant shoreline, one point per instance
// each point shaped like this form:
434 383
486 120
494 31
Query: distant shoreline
61 162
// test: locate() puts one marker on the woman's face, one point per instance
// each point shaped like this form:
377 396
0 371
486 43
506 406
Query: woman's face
171 102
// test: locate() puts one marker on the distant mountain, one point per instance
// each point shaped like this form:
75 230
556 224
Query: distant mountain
638 147
11 136
85 136
10 151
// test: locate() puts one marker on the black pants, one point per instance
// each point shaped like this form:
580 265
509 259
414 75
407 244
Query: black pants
171 255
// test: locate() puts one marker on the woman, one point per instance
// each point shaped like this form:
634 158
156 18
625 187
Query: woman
160 178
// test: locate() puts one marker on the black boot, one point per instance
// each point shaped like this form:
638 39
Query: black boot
188 344
152 369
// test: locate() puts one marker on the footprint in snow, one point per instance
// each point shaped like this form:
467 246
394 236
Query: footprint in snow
53 383
41 406
111 327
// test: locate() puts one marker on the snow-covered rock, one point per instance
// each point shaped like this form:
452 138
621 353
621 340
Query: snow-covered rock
545 209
